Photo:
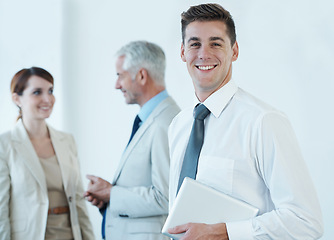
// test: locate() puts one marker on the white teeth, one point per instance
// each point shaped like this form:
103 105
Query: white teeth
205 67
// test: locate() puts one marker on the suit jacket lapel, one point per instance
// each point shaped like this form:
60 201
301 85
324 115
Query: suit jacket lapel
140 132
131 146
25 149
62 150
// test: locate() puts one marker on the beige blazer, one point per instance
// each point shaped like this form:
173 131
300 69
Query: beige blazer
139 200
23 192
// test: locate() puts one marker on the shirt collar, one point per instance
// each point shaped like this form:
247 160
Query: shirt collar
218 100
149 106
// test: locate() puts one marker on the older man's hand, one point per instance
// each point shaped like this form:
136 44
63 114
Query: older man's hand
98 191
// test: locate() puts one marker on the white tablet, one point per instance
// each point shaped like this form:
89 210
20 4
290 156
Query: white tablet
199 203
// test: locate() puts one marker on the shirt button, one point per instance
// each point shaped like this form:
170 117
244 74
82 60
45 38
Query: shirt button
70 199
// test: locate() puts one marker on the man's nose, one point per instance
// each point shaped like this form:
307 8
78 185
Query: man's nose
204 52
117 84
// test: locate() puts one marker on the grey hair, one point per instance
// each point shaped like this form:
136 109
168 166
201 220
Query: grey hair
147 55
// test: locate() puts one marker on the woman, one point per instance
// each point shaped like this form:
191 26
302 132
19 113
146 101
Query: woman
41 193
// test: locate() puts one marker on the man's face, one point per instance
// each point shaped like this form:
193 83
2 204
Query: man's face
129 86
208 53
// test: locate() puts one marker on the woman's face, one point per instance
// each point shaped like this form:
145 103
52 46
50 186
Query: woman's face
37 99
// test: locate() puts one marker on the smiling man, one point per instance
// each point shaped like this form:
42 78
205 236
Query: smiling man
209 56
135 203
249 149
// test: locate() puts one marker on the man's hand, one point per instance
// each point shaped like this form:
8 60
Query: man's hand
98 191
201 231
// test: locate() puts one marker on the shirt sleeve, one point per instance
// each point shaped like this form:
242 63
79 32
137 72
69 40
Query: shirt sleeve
297 213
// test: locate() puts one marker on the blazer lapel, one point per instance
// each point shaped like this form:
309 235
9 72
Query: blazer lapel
62 150
28 154
136 138
131 146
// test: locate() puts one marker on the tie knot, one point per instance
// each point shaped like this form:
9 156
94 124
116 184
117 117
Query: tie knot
137 120
201 112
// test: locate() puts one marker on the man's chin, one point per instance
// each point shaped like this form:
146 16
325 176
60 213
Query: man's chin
129 102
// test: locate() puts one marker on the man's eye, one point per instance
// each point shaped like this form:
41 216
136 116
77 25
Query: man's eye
195 44
216 44
36 92
51 91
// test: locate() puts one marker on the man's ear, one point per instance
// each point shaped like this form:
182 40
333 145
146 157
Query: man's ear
182 53
16 99
235 50
142 76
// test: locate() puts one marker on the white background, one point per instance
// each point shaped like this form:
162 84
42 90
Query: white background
286 59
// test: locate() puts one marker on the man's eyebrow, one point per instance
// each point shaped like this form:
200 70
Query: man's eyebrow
211 39
193 39
216 38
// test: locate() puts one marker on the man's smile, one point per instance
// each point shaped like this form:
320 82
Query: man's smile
205 67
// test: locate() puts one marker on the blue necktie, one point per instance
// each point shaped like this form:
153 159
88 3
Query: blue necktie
103 211
190 161
135 127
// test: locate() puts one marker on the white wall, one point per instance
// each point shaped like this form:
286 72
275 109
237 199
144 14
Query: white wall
30 35
286 58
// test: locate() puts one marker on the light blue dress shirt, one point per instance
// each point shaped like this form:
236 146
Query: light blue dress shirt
150 105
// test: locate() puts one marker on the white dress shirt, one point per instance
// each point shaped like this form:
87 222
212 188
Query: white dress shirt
250 152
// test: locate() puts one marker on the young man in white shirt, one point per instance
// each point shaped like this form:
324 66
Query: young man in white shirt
249 152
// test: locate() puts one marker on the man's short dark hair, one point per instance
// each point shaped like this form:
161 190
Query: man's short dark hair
208 12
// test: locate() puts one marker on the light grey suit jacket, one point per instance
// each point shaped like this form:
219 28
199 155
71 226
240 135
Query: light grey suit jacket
23 191
139 200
